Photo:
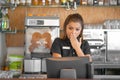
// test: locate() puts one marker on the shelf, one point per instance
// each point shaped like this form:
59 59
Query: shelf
107 77
105 74
64 6
106 65
5 5
9 31
55 6
51 6
102 29
13 31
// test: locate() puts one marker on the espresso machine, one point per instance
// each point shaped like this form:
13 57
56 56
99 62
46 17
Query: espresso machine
40 32
97 42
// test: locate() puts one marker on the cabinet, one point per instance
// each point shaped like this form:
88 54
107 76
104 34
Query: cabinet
106 71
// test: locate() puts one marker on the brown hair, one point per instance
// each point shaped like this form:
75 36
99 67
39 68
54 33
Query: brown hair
73 18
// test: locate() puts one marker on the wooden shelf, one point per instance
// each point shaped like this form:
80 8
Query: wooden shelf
64 6
9 31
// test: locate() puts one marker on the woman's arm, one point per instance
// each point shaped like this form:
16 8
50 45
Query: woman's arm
90 58
76 45
56 55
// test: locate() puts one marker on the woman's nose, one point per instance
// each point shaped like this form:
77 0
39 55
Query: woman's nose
73 31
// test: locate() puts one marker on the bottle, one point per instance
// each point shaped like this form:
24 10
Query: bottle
84 2
90 2
0 13
63 2
77 2
118 2
57 2
101 2
12 2
28 2
49 2
5 21
113 2
35 2
75 5
43 2
22 2
95 2
68 6
71 2
106 2
0 20
17 2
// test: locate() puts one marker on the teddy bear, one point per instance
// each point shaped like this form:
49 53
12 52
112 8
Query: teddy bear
39 39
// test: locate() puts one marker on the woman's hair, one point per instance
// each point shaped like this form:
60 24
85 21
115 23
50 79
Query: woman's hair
76 17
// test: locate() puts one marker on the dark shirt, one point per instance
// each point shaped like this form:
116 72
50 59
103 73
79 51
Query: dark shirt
65 48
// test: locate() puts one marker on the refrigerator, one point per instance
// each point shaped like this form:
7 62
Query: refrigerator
113 46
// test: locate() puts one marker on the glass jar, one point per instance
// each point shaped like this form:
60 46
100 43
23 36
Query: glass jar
28 2
64 2
35 2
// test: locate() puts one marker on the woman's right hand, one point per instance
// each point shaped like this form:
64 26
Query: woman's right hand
74 41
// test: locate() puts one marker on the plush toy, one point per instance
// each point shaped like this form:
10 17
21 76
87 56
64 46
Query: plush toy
39 39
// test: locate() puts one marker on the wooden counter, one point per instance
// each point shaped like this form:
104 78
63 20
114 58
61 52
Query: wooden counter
48 79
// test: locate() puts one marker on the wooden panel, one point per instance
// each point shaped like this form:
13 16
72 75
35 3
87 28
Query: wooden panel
92 15
16 21
15 40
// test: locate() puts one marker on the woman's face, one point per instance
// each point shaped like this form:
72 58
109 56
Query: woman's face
73 28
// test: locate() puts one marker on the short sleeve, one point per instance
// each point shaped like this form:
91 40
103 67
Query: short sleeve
86 47
56 47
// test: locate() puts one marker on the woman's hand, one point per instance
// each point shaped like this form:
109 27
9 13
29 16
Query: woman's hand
76 44
74 41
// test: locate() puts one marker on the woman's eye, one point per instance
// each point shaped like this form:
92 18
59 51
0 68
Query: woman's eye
77 29
70 28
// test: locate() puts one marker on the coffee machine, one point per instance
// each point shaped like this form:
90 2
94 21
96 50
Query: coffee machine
40 32
97 42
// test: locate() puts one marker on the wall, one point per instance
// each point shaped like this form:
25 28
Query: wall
91 14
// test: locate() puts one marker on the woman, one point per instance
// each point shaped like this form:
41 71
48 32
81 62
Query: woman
72 44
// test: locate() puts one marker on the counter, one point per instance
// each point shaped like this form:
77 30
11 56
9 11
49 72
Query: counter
50 79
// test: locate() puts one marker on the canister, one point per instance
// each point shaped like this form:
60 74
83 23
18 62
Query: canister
32 65
15 62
